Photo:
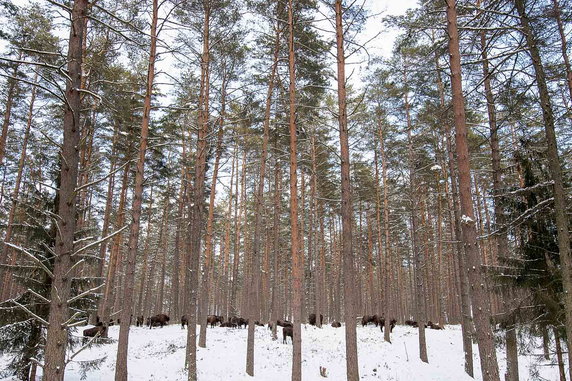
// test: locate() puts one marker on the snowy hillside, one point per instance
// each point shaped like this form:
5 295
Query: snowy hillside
158 354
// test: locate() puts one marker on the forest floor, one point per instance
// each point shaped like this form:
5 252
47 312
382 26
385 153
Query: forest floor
158 354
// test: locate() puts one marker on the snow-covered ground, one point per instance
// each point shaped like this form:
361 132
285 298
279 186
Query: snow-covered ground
158 354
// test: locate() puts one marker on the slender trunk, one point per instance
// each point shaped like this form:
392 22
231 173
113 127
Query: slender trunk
105 305
127 300
555 169
297 259
346 209
139 309
11 257
458 253
500 219
563 44
108 203
318 248
57 335
481 306
197 207
208 265
561 371
419 263
276 243
259 200
226 247
12 83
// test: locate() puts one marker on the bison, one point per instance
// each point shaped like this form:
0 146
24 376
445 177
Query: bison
258 323
287 331
184 321
336 324
366 319
139 321
240 322
411 323
432 325
392 323
92 332
284 323
158 320
312 319
214 319
228 325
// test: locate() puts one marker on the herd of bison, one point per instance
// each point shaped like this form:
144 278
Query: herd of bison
161 320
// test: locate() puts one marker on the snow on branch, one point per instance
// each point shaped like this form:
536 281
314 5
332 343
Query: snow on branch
467 220
30 313
87 292
103 178
32 257
101 240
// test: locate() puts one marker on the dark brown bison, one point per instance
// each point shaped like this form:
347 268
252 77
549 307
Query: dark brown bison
258 323
184 321
312 319
366 319
158 320
139 321
287 331
284 323
240 322
228 325
336 324
432 325
411 323
213 320
92 332
392 323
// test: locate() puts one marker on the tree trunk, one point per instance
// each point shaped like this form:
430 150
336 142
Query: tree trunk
57 335
297 257
276 243
259 200
500 219
560 199
480 302
564 45
197 207
127 299
208 265
346 209
12 83
11 257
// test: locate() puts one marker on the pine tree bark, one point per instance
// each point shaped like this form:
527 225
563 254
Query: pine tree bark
297 258
9 255
208 265
480 302
12 83
346 207
563 44
259 200
458 252
419 263
274 307
57 333
500 219
127 299
554 167
197 206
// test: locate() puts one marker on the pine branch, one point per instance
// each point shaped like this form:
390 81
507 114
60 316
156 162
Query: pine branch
32 257
31 313
87 292
101 240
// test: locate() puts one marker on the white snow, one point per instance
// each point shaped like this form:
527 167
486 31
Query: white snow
436 167
466 219
158 354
